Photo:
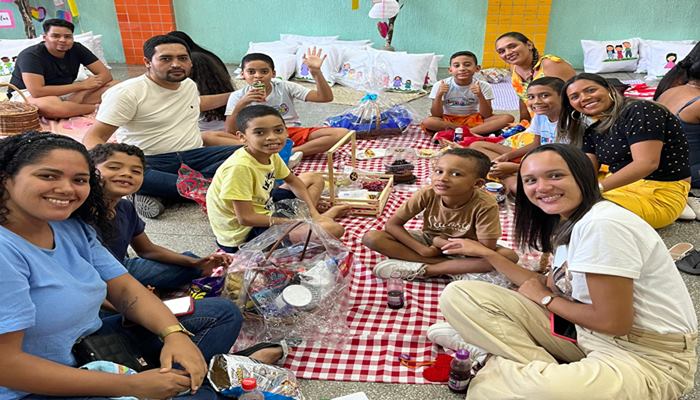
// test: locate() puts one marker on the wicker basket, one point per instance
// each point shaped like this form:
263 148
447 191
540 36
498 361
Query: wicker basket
16 117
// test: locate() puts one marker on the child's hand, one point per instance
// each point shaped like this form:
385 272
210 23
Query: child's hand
209 263
444 88
439 241
313 59
465 247
501 158
476 89
253 96
429 251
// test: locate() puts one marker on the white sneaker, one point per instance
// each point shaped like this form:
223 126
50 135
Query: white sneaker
295 159
447 337
694 204
408 270
147 206
688 214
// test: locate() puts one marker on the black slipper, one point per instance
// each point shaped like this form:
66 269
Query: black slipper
266 345
690 264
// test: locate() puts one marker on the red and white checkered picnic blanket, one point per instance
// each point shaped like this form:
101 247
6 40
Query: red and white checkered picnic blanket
378 335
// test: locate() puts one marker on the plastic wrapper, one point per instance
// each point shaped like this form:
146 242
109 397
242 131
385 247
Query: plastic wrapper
191 184
375 115
290 281
226 372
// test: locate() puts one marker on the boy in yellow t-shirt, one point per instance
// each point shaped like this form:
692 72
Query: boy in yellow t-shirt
241 196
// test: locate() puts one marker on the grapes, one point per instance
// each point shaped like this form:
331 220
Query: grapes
373 186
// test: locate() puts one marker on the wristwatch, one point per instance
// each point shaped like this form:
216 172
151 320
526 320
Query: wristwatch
547 300
173 329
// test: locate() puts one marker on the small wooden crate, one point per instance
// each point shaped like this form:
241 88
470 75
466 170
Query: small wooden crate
360 207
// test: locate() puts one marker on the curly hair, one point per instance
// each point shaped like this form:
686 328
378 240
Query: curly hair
211 78
102 152
28 148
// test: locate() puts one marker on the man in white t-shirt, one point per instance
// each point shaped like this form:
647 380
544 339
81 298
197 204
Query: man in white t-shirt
159 112
461 101
258 72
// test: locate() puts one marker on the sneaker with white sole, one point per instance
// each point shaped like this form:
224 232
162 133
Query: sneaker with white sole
447 337
688 214
694 204
295 159
147 206
408 270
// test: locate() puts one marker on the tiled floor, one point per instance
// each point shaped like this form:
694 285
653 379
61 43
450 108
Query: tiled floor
168 231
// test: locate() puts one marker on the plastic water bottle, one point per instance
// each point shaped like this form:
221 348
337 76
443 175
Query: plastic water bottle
250 390
394 287
460 372
459 135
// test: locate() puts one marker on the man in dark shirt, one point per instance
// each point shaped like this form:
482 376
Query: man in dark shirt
46 72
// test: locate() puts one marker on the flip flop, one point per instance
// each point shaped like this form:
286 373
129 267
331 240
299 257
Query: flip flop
690 264
680 250
266 345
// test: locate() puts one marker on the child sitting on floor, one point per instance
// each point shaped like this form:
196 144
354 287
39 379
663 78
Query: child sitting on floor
121 169
453 206
258 72
544 99
459 101
242 194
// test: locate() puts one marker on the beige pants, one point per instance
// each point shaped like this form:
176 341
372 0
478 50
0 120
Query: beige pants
641 365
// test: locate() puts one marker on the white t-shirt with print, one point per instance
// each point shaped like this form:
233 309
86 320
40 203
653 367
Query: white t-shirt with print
156 119
546 129
459 100
281 97
611 240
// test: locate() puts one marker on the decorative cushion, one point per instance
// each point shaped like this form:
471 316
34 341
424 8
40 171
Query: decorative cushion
405 72
433 70
355 68
644 55
329 68
663 56
276 47
299 39
610 55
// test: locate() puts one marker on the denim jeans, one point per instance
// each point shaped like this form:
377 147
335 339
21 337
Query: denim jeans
215 323
161 275
160 179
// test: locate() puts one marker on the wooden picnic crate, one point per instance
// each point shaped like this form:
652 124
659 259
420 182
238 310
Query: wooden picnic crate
360 207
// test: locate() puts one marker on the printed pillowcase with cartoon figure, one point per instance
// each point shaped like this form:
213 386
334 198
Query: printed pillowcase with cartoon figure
610 55
664 55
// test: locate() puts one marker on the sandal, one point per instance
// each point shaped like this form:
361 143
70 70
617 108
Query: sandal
266 345
680 250
690 264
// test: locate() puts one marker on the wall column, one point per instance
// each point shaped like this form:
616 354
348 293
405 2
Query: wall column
139 20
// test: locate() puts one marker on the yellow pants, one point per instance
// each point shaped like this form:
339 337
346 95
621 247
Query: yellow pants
530 363
658 203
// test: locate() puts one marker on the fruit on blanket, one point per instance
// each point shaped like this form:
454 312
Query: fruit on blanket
373 186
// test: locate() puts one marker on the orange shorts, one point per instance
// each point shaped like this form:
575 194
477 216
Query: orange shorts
300 135
470 120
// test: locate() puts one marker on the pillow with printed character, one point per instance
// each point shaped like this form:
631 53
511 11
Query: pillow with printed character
610 55
663 56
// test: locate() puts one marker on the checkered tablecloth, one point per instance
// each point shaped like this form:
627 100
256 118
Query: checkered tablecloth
378 335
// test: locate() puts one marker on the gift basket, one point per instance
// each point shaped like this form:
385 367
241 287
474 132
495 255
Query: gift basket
290 281
375 115
226 374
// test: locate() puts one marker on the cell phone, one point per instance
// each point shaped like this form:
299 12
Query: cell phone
180 306
562 328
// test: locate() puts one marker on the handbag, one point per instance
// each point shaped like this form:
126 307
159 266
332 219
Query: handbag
114 347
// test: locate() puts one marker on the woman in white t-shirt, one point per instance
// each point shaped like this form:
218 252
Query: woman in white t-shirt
631 317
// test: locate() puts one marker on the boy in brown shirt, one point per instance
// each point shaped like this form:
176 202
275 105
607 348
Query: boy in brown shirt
453 206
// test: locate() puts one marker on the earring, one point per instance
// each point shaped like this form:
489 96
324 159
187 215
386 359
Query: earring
573 116
611 97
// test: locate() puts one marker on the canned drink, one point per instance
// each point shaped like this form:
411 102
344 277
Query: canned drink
258 85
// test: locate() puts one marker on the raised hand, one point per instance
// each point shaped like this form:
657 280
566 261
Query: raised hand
444 88
314 58
475 88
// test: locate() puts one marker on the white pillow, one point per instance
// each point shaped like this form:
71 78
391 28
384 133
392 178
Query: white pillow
352 43
433 70
406 72
644 51
329 67
597 58
299 39
277 47
660 62
12 47
94 44
355 68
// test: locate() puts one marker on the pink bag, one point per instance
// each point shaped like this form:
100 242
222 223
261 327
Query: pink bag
193 185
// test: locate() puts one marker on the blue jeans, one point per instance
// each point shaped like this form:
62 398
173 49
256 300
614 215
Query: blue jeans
161 275
215 323
160 179
694 147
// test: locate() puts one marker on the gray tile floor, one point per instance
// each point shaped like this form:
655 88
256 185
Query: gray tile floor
168 230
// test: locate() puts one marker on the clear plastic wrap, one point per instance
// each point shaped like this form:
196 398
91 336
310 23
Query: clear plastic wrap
375 115
290 281
226 372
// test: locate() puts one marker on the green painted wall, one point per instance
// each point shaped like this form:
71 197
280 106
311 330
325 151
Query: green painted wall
571 21
226 26
98 16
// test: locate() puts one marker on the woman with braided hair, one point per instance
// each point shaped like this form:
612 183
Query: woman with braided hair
527 65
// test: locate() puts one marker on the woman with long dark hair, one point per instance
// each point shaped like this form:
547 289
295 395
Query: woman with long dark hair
641 142
612 319
527 65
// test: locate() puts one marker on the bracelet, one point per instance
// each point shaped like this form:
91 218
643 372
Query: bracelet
270 220
601 187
